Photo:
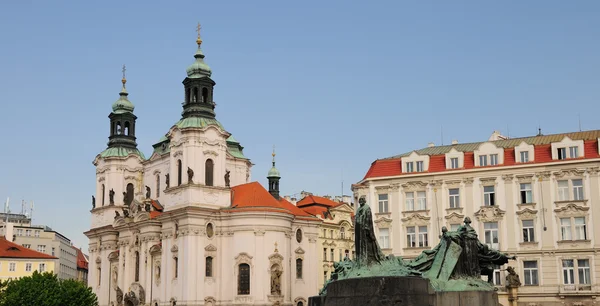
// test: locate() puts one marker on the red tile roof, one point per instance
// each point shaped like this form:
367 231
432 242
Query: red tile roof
542 151
12 250
254 197
316 200
82 262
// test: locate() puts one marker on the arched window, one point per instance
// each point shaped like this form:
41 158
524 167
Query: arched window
118 127
103 193
99 274
343 233
187 96
158 185
126 130
208 172
244 279
176 266
209 268
300 304
299 268
195 97
179 172
137 266
129 197
204 95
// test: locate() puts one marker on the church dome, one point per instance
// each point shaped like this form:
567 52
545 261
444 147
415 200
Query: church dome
273 172
198 68
123 105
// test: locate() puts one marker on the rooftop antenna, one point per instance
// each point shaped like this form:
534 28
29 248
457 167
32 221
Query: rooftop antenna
579 119
22 207
442 132
31 215
507 131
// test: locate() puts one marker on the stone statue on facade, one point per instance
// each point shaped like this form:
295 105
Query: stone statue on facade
131 299
125 213
93 202
227 175
167 180
276 281
190 174
119 296
117 214
111 197
512 279
367 248
125 198
148 192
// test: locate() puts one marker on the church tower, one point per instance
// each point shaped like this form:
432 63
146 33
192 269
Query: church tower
198 87
122 121
273 176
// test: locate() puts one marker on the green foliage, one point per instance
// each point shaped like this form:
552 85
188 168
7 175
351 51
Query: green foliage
46 290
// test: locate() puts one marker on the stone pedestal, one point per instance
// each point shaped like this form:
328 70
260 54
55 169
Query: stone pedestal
397 291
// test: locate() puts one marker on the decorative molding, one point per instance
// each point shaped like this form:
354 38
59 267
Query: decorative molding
593 170
383 222
573 172
101 179
299 251
243 257
487 181
259 232
156 172
489 214
384 188
571 210
174 248
452 183
177 154
414 186
416 219
130 178
527 214
395 187
543 175
507 177
455 218
526 178
275 259
210 153
156 249
436 183
468 181
210 248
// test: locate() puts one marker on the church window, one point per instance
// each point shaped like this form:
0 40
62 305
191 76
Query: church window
179 172
99 274
244 279
176 266
137 266
195 97
157 185
187 96
126 130
299 268
103 193
208 173
204 95
129 197
209 268
118 127
342 233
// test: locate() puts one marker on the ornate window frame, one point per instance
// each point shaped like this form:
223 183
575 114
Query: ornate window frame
453 153
414 157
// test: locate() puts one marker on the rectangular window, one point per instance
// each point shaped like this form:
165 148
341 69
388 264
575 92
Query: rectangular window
332 253
489 196
410 201
324 233
423 241
41 248
12 267
325 277
528 232
568 272
384 238
409 167
561 153
577 190
494 159
37 233
524 156
28 267
420 166
497 277
565 228
19 232
526 193
530 269
454 197
331 236
573 152
341 255
28 233
27 246
583 269
383 203
411 237
482 160
491 234
53 252
454 227
421 200
324 254
454 163
580 229
563 190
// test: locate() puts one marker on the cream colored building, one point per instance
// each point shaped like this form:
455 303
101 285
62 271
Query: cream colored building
537 198
17 261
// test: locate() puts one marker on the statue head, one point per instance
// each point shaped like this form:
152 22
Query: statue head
444 229
467 220
362 201
510 270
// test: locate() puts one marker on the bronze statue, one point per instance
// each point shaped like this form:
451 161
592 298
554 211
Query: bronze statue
227 174
367 248
276 281
190 174
111 197
512 279
148 192
93 202
167 180
119 295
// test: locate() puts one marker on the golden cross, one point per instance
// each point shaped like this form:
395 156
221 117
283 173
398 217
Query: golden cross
198 29
124 69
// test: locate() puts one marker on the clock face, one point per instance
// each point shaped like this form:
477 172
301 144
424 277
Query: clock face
299 235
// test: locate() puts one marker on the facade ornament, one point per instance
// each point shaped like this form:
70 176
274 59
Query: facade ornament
569 172
111 197
276 280
527 178
527 214
543 175
507 177
512 279
227 178
190 174
489 214
487 181
454 218
593 170
468 181
383 222
119 296
416 219
243 257
414 185
571 210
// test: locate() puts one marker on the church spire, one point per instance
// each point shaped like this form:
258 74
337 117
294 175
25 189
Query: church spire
274 176
122 120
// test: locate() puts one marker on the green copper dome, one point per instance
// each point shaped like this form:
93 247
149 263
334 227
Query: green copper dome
123 105
199 68
274 172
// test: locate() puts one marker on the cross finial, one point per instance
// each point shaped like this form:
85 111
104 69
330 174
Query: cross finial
198 41
273 154
124 80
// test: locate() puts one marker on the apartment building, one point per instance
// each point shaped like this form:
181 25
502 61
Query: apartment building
534 197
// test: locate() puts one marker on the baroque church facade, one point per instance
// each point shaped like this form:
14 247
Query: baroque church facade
186 226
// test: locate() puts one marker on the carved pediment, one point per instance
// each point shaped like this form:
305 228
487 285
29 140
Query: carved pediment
156 249
382 188
452 183
569 172
243 257
571 210
526 178
489 214
487 181
174 248
455 218
416 219
593 170
436 183
527 214
299 250
507 177
275 259
467 180
210 248
383 222
113 255
414 185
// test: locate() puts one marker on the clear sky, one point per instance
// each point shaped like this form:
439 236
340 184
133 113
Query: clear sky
333 84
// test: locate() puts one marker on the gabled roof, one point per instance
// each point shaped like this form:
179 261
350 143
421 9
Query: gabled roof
82 261
253 196
316 200
12 250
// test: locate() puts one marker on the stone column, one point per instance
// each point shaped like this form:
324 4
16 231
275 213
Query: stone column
510 239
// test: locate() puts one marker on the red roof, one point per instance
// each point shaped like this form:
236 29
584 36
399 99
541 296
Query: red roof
12 250
82 262
253 196
316 200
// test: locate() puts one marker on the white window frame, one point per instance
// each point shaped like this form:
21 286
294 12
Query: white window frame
565 146
568 271
573 152
526 193
528 231
411 236
423 236
491 232
454 163
410 167
28 267
383 200
578 194
483 160
421 200
524 156
384 240
417 236
489 197
454 199
410 201
580 228
493 159
531 274
42 268
566 232
584 271
450 159
561 153
420 166
563 190
12 267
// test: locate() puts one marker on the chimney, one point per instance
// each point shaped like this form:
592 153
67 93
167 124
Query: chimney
454 141
431 145
9 230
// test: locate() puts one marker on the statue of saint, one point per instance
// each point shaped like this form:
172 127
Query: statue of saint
167 180
512 279
93 202
148 192
190 174
125 198
117 214
367 248
276 281
111 197
227 174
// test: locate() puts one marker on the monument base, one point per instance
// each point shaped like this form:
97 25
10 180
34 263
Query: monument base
398 291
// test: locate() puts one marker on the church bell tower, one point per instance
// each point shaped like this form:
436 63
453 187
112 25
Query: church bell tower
198 87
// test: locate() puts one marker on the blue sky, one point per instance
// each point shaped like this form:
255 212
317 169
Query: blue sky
333 84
